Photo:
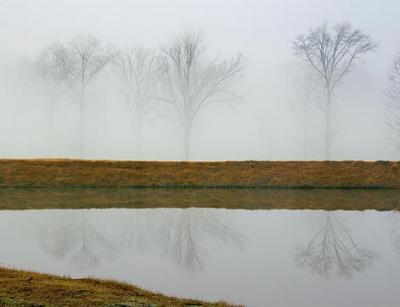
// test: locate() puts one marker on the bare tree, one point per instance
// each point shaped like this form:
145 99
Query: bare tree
307 91
138 69
395 233
80 61
332 52
333 249
186 230
78 241
191 81
49 68
393 103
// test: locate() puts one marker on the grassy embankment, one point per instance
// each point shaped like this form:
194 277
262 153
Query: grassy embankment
43 184
18 288
261 174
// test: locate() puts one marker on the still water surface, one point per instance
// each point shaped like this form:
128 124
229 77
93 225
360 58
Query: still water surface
251 257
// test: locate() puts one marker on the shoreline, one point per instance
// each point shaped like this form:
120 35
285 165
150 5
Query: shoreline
249 199
54 173
24 288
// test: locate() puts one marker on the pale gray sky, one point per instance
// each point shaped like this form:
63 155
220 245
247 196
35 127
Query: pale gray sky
262 30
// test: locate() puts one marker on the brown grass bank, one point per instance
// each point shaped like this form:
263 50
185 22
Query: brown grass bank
19 288
245 198
289 174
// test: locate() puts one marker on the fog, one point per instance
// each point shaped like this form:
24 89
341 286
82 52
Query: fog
263 118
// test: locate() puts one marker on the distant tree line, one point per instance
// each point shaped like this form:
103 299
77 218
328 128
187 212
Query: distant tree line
179 77
331 53
183 79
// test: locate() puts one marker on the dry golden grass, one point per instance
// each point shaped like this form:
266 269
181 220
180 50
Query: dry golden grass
52 184
312 174
19 288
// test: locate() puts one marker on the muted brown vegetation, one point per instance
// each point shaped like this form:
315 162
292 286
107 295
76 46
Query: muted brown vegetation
320 199
289 174
18 288
43 184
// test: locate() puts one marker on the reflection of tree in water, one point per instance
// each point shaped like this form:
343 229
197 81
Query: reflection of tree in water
79 241
333 249
187 229
396 230
178 233
139 230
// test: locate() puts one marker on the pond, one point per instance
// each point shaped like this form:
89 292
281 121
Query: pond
252 257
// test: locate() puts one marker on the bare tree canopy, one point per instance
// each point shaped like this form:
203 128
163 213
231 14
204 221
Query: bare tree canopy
333 249
191 81
393 103
394 90
49 64
332 52
138 71
83 58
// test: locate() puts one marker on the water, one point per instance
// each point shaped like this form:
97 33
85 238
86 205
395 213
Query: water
252 257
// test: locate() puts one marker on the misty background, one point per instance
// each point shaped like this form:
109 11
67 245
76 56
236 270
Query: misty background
264 121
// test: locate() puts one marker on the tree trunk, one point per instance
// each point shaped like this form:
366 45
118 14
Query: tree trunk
139 137
328 127
51 125
186 139
268 137
81 123
305 135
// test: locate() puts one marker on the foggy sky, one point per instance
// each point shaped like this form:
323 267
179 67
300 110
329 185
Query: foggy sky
264 124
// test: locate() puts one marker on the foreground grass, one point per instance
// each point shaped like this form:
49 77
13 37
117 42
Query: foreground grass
292 174
19 288
321 199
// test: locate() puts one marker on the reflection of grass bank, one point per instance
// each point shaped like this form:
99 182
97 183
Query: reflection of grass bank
18 288
326 199
290 174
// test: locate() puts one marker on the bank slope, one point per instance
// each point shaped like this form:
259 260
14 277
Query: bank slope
261 174
19 288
